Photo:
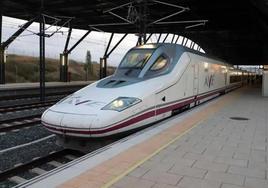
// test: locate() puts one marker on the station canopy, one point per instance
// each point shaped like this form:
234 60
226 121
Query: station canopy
234 30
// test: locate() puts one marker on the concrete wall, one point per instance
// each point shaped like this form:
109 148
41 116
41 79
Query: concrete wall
265 83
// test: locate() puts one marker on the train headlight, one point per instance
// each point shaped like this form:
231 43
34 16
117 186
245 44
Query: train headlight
121 103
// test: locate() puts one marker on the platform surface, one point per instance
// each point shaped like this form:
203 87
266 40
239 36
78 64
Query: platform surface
204 149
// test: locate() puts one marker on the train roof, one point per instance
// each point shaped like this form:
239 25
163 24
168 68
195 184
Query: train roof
183 48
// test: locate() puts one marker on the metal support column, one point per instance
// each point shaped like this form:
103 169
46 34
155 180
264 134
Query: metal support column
142 22
42 60
78 42
186 42
139 42
17 33
159 37
1 23
5 44
172 38
64 67
165 38
148 38
2 65
103 61
182 41
191 44
108 54
2 54
64 60
177 39
103 67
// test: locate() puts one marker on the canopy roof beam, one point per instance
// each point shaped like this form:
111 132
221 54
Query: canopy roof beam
17 33
78 42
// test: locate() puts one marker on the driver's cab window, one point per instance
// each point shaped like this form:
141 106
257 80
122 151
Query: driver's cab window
136 59
159 66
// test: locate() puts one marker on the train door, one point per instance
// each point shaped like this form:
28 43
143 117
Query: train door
195 80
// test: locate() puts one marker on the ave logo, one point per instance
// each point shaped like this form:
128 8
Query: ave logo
209 80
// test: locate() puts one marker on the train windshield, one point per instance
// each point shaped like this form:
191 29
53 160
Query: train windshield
136 59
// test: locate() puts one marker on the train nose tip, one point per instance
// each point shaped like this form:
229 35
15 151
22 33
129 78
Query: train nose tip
51 118
77 121
68 124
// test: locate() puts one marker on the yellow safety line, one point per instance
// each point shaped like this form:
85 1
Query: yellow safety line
113 181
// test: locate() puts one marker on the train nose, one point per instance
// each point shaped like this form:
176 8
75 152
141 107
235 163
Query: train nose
68 124
77 121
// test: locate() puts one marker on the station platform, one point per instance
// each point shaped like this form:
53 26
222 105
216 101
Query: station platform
14 86
220 144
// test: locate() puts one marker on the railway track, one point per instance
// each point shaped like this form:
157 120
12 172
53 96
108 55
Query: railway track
22 93
23 172
20 122
31 105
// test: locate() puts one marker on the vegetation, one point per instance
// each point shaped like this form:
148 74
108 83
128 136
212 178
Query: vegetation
88 65
26 69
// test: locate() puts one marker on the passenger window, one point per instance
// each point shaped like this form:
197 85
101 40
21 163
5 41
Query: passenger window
160 63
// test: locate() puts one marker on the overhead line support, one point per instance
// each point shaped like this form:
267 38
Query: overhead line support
17 33
103 60
78 42
177 39
42 59
5 45
165 38
64 59
148 38
173 38
158 40
2 53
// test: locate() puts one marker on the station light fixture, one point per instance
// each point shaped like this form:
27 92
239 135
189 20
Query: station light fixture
224 69
205 65
5 55
63 60
102 61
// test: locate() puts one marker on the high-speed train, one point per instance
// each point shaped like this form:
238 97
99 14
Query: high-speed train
152 82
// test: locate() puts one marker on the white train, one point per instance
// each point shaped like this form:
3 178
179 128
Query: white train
152 82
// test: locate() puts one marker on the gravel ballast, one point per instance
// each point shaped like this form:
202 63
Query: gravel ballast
25 135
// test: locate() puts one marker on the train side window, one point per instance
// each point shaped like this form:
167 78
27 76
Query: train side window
159 66
160 63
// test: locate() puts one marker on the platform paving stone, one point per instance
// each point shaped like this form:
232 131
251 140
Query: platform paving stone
162 177
218 153
188 171
190 182
132 182
174 160
203 164
225 177
256 183
231 161
162 185
224 185
249 172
